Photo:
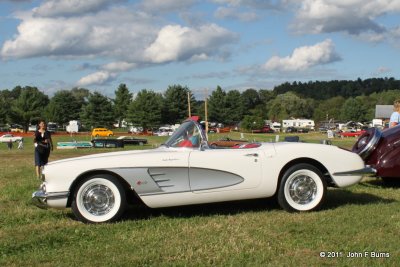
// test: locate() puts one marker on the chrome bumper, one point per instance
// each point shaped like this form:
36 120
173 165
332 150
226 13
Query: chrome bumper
40 198
367 171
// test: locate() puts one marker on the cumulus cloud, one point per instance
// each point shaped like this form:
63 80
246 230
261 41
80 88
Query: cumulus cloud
304 58
351 16
51 8
177 43
116 33
233 13
97 78
163 6
257 4
119 66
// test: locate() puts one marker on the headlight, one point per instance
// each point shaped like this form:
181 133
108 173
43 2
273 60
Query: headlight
367 143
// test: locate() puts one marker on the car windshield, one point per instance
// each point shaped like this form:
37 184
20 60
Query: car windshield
187 135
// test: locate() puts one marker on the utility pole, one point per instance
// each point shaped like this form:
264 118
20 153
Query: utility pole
188 99
205 111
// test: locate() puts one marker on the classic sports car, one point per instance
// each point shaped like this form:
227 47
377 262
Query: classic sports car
185 171
9 137
226 142
381 151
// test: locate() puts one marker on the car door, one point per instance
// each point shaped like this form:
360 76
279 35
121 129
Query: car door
225 169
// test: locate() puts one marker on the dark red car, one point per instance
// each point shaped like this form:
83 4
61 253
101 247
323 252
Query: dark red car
381 151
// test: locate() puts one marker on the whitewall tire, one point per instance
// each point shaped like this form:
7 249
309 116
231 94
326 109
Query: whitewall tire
302 188
98 199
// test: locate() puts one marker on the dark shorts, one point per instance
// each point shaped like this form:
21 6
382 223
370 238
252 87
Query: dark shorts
41 159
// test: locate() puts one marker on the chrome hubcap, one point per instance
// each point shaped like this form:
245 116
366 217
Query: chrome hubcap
98 199
302 189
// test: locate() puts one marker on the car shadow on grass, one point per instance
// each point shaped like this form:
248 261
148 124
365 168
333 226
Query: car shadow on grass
140 212
336 198
379 183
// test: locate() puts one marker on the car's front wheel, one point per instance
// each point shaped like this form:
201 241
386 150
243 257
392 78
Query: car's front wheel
302 188
98 199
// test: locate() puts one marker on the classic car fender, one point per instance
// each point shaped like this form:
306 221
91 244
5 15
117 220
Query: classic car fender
335 160
61 175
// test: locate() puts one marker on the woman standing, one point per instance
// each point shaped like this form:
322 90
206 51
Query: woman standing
43 144
395 117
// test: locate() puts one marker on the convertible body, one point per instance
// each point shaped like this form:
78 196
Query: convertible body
187 171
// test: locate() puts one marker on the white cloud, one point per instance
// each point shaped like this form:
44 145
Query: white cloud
257 4
52 8
163 6
116 33
177 43
97 78
119 66
304 58
351 16
233 13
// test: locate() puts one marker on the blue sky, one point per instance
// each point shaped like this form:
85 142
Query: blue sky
236 44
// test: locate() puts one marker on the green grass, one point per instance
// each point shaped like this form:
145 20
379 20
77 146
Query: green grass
362 218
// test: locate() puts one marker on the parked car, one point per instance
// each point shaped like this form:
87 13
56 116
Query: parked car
5 138
107 143
164 131
16 128
186 171
52 127
32 128
381 150
130 140
265 129
226 142
351 134
102 132
291 129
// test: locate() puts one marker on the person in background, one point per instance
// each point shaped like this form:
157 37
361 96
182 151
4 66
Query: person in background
395 117
21 144
43 145
9 145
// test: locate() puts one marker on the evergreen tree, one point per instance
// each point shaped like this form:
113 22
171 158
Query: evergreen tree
28 106
98 112
63 107
145 109
216 106
175 108
234 106
123 99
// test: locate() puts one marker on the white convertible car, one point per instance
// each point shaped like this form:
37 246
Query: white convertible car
9 137
185 171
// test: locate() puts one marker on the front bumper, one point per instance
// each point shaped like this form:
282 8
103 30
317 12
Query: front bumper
45 200
366 171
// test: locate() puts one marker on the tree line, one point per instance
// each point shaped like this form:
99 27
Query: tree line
338 100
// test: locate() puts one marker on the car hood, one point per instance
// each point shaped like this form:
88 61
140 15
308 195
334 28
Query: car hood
108 155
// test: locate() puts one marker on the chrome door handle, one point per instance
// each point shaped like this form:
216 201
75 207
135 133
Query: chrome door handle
252 155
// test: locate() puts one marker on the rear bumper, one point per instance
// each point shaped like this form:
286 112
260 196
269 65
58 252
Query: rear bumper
45 200
366 171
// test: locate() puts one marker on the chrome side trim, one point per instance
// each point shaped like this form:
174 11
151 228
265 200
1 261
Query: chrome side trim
367 171
39 198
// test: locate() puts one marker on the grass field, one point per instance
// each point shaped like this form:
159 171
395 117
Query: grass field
363 220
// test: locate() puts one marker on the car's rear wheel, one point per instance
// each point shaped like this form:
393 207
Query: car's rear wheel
302 188
98 199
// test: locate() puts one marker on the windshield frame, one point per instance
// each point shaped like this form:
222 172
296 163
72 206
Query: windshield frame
171 142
